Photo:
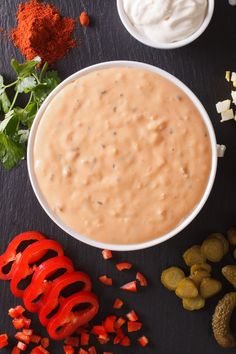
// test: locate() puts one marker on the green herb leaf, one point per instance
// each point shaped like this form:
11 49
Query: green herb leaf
26 84
5 102
26 115
10 152
50 81
23 135
26 68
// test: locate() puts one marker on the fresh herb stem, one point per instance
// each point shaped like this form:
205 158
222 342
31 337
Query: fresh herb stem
14 101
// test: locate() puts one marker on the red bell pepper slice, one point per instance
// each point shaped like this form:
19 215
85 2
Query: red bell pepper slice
65 321
141 278
125 342
123 266
15 350
84 339
72 341
118 304
132 316
132 286
39 283
143 341
53 296
12 256
92 350
105 280
134 326
68 349
31 255
3 340
109 324
107 254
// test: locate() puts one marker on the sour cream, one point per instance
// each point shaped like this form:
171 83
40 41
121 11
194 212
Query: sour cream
166 21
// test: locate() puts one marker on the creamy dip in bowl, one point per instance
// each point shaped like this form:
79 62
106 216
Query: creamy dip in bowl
122 155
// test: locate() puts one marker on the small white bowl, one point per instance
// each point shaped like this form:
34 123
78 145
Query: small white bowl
137 35
157 240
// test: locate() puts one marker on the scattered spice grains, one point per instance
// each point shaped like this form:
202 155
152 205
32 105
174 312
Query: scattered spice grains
42 31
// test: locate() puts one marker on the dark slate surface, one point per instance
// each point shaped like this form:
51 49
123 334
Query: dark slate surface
201 66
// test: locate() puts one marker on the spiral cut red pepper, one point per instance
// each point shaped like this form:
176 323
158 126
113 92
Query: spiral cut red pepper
61 314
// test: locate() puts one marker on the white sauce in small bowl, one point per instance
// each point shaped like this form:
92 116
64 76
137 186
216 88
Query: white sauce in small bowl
166 21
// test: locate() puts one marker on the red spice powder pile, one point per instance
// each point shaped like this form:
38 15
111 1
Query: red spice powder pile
42 31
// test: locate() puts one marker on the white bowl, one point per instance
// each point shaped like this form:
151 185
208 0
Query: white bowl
157 240
137 35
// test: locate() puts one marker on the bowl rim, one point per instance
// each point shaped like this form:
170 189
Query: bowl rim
134 33
134 246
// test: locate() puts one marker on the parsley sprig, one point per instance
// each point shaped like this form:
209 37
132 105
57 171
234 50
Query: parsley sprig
16 121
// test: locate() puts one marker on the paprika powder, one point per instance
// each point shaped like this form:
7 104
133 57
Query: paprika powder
42 31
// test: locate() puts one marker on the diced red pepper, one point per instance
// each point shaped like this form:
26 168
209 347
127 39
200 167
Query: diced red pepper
107 254
132 316
45 342
141 278
16 312
73 341
27 322
22 337
82 351
125 342
107 353
120 322
99 330
123 266
21 346
116 340
68 349
103 338
3 340
92 350
84 339
15 350
118 304
109 324
39 350
132 286
35 339
143 341
28 332
134 326
18 323
105 280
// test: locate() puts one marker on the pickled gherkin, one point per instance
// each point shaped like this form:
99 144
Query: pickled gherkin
221 321
193 255
232 236
209 287
196 303
186 289
229 273
213 249
171 277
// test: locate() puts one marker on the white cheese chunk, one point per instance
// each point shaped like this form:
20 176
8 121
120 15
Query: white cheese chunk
227 115
223 106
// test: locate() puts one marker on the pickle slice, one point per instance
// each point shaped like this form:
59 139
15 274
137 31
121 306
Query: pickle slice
193 255
229 272
232 236
171 277
223 239
193 304
203 266
213 249
198 275
210 287
186 289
